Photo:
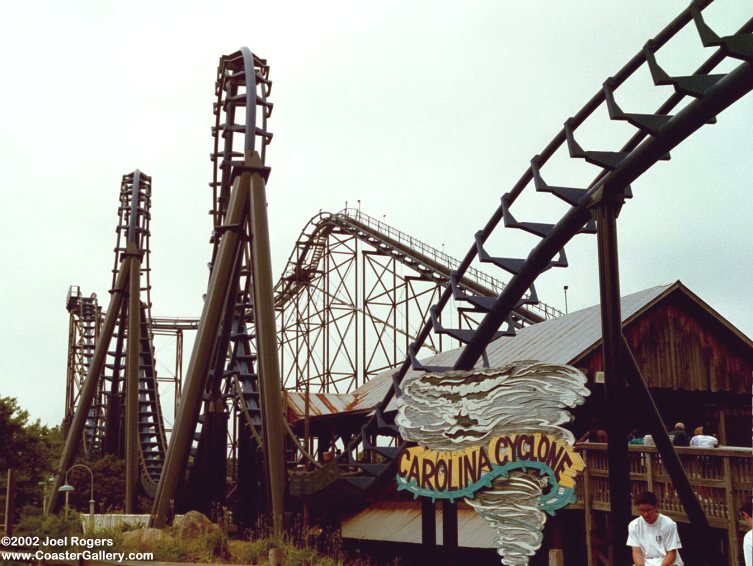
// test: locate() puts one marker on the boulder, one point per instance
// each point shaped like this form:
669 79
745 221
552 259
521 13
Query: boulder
194 525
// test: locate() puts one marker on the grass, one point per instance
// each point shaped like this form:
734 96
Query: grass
215 547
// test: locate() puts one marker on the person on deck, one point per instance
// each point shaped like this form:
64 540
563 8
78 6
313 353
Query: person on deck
703 440
679 436
653 537
594 433
746 510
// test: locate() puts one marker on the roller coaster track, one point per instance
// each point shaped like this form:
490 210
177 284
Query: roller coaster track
222 367
83 332
103 401
134 215
303 263
242 85
349 292
656 135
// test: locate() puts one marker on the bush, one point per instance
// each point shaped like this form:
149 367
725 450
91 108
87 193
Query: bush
33 523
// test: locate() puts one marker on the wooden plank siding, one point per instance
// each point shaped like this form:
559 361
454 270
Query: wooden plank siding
681 346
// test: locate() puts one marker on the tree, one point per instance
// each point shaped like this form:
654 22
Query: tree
109 484
32 449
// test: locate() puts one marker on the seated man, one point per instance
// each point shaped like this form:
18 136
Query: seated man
746 510
652 536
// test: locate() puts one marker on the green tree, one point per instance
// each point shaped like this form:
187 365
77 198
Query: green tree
109 484
31 449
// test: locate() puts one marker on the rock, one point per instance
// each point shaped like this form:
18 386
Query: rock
145 540
194 525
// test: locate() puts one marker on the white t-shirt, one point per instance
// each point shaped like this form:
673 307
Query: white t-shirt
655 540
704 441
748 548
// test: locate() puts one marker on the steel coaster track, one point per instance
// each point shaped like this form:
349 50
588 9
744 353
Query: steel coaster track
134 219
111 385
99 417
83 334
657 134
101 434
242 89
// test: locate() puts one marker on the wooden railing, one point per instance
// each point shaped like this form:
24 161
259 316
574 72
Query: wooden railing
720 478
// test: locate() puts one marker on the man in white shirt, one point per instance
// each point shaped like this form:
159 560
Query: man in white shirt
653 537
704 441
746 509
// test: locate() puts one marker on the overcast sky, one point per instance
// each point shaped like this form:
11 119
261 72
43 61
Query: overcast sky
425 111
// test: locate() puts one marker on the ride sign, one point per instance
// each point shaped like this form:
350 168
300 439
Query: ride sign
460 473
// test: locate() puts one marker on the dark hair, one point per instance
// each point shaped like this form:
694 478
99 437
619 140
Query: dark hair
646 498
747 506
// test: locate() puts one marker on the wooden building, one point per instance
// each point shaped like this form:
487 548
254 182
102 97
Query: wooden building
699 369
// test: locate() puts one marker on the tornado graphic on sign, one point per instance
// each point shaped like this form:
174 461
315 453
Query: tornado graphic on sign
493 437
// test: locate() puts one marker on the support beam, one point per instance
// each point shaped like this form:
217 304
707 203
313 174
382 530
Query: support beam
614 381
266 339
10 502
428 528
449 532
88 389
619 360
133 326
654 423
201 357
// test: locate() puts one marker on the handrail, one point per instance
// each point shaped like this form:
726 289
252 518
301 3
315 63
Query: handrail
721 477
483 279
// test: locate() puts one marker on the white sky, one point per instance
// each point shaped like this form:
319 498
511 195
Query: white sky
425 111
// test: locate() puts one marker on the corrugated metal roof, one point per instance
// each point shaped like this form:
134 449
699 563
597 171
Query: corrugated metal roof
559 340
319 403
401 522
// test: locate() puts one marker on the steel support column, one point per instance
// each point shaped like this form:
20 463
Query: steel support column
449 532
266 336
201 358
215 474
614 382
671 461
75 433
132 378
428 528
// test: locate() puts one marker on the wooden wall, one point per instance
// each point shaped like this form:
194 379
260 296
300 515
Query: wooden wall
681 346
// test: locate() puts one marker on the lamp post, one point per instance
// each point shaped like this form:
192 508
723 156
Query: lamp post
67 488
44 485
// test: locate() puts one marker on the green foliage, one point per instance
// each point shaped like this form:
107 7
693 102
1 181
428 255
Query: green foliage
109 484
295 556
257 552
211 547
32 449
254 551
33 523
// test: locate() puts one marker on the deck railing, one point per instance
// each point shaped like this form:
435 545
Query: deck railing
720 478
